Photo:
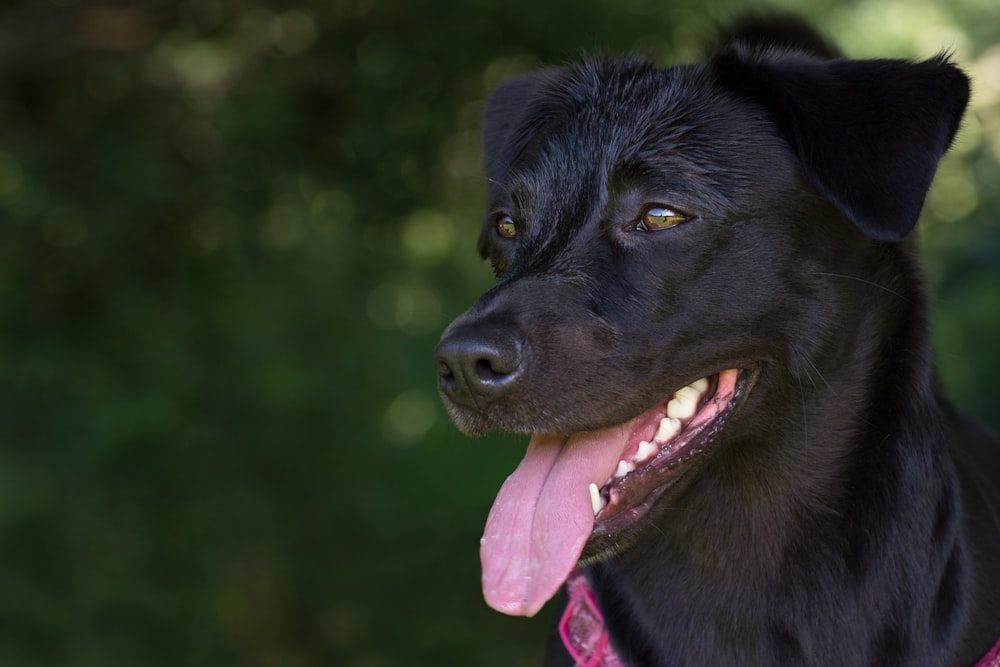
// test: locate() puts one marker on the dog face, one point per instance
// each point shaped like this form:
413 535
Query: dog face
629 236
674 250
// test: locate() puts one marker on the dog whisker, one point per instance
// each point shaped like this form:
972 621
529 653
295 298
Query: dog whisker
862 280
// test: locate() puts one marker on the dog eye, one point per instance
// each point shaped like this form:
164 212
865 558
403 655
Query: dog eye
659 217
506 227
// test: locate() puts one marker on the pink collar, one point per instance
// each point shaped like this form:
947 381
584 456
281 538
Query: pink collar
586 639
582 626
991 659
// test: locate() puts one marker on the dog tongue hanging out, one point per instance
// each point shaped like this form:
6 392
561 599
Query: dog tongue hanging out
545 511
709 316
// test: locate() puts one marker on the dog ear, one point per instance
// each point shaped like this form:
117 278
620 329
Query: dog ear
773 30
868 133
515 113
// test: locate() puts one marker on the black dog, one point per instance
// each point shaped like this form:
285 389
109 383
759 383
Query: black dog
711 318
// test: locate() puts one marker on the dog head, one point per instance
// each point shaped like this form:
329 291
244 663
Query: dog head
661 231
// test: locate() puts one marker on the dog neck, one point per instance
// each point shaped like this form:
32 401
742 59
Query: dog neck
585 635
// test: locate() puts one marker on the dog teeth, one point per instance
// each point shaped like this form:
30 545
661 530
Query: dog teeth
624 468
700 385
646 451
668 429
596 501
684 403
680 408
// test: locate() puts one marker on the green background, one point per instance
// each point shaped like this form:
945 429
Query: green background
230 235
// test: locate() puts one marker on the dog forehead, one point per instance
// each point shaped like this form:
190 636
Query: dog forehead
585 123
600 111
603 122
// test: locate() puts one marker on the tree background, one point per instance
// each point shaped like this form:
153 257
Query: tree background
231 232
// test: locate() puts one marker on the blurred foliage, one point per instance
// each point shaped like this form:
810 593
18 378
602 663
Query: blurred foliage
230 234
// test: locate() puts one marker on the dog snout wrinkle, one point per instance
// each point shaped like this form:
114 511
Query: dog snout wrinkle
477 366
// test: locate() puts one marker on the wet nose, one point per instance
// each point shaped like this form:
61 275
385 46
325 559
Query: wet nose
477 365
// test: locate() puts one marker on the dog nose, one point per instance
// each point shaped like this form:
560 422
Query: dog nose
477 366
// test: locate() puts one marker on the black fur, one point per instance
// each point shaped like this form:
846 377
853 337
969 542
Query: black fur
846 514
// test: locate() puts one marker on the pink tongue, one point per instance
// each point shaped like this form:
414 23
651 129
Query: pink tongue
542 517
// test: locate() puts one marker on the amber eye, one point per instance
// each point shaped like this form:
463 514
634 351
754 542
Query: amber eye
506 227
659 217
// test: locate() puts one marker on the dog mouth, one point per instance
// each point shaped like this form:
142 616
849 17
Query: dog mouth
662 441
575 497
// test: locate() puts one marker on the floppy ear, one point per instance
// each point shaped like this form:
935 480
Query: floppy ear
770 30
868 133
515 113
